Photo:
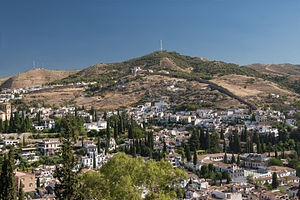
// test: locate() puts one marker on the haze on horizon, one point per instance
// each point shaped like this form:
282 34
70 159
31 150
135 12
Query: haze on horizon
65 34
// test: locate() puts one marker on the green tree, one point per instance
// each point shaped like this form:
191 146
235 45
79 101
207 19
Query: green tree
21 192
38 182
8 189
187 153
219 176
238 162
94 161
123 177
275 182
195 159
98 144
298 193
276 162
204 171
225 158
1 126
215 143
68 187
233 159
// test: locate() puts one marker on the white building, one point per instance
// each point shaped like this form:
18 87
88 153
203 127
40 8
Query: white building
49 146
100 125
88 161
7 142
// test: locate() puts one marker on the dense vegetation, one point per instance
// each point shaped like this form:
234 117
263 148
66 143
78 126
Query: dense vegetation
124 177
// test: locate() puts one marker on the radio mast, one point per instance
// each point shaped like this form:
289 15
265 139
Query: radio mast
161 47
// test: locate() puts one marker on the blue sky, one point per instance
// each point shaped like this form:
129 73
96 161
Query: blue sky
74 34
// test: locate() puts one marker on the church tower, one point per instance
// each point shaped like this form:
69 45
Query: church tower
7 110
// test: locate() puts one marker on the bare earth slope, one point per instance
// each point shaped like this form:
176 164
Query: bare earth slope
35 77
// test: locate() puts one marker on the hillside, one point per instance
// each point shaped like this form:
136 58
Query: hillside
35 77
186 82
285 75
278 69
172 62
2 80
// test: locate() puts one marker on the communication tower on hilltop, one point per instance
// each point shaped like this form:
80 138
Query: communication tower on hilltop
161 47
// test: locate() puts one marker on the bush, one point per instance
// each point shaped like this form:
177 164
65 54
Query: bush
275 162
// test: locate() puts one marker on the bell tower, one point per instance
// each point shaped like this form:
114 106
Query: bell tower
7 110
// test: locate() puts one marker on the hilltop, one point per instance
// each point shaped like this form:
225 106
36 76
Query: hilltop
34 77
172 62
188 82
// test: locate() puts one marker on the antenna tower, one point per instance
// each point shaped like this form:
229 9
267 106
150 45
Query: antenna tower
161 47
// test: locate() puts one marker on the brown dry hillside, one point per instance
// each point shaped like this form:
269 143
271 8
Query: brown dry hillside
2 80
35 77
180 78
256 90
292 71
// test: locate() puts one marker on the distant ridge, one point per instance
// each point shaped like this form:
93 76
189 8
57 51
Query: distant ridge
34 77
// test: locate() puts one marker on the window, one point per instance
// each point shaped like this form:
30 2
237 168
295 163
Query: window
30 184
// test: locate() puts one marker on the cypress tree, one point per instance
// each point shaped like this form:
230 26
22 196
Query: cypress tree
195 159
68 186
21 192
251 146
92 112
76 111
107 137
6 126
98 144
130 132
24 141
233 159
8 189
194 141
164 147
236 143
202 138
258 146
105 115
225 158
27 124
275 182
1 126
222 134
120 125
282 153
115 131
38 182
96 116
94 160
187 153
238 161
207 138
298 193
39 118
11 124
133 150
